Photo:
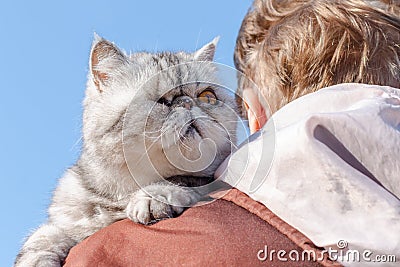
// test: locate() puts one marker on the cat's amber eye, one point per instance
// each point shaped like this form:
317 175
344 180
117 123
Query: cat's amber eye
208 96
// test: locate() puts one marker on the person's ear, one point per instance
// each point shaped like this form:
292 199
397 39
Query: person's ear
255 111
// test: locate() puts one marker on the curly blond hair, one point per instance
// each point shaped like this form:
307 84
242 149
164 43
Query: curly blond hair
292 48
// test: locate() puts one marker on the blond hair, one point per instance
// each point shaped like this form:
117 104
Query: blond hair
292 48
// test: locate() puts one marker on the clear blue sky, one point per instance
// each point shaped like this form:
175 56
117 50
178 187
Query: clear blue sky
44 53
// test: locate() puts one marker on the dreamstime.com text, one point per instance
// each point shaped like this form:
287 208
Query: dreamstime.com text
342 254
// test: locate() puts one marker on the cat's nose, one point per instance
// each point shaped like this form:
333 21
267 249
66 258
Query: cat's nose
183 101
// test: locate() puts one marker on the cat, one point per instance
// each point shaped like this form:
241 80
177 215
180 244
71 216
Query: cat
147 117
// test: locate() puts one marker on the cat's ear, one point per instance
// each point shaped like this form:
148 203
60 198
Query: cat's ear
206 53
105 58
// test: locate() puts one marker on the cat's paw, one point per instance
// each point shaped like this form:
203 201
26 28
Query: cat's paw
159 201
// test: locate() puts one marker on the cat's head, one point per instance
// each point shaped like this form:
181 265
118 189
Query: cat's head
164 109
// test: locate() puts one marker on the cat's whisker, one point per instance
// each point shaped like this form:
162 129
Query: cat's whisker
152 135
178 138
156 131
183 144
76 143
223 136
175 135
152 144
230 141
161 131
148 148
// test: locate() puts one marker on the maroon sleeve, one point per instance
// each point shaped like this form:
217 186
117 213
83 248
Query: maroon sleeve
220 233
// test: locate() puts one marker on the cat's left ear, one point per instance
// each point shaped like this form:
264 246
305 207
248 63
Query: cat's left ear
105 59
206 53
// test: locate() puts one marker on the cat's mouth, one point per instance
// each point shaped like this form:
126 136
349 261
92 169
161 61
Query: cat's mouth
192 128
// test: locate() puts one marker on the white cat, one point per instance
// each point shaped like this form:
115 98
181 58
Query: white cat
139 106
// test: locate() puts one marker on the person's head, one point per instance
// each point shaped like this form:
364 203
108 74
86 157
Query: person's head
292 48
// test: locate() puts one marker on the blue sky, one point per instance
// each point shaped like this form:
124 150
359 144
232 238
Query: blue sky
43 67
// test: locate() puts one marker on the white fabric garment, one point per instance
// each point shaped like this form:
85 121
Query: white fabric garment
335 172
